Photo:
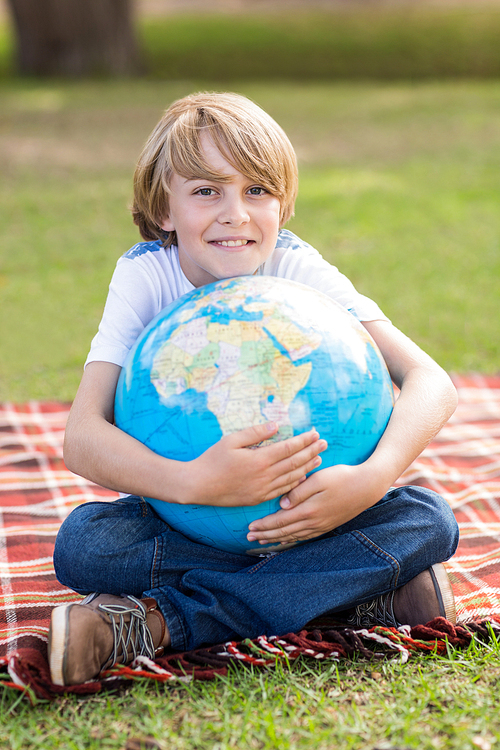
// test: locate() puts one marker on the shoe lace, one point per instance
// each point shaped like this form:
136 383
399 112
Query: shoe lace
129 636
379 611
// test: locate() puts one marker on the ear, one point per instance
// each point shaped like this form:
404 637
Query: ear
167 225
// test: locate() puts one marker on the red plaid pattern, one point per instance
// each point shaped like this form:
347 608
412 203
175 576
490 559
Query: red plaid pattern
37 492
463 465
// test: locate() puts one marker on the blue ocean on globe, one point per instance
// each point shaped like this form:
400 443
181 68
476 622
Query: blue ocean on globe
244 351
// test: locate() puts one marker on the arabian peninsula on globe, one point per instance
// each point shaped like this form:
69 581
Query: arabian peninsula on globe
245 351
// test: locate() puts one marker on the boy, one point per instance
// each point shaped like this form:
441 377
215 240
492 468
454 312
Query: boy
214 186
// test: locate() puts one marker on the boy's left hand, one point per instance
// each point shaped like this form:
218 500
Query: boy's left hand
325 500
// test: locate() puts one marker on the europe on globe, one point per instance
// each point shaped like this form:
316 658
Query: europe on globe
244 351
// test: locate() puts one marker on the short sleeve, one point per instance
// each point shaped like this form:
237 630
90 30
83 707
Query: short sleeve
296 260
146 279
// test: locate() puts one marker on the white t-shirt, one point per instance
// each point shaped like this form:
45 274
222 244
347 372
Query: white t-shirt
149 277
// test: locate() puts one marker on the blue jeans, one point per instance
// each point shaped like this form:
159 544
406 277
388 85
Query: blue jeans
210 596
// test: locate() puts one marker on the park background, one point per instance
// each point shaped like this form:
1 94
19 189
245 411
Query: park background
394 113
394 110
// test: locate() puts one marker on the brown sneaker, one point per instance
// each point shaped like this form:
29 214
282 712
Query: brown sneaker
425 597
100 631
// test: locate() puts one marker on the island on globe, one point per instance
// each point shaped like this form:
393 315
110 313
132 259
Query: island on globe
244 351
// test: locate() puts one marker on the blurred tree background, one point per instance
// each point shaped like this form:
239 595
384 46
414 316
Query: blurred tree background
249 39
74 38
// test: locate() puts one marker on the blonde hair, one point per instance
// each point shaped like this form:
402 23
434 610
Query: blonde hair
248 138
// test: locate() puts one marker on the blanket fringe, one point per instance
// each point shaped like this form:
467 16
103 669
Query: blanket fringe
28 670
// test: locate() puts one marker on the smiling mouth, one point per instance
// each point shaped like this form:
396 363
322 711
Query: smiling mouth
232 243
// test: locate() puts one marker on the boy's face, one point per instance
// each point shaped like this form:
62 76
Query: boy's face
224 229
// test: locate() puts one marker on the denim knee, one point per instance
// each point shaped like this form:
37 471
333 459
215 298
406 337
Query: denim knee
108 547
73 550
435 515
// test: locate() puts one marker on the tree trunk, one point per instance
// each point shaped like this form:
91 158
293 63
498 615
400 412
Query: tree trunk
75 38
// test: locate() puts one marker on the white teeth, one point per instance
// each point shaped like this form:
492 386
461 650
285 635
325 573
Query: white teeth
233 243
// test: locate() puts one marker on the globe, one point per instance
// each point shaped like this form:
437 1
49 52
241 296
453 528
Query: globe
244 351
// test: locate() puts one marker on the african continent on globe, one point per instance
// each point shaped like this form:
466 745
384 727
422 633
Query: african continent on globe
244 351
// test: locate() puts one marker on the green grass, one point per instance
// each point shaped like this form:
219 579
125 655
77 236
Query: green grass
399 188
409 42
432 702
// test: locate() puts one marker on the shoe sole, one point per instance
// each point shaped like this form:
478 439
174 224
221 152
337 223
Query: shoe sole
444 592
58 635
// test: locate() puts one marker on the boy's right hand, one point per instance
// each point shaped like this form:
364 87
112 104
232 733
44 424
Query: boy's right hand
232 473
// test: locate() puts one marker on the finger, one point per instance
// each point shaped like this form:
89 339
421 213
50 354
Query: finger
292 471
287 473
283 485
281 450
298 494
289 533
285 450
252 435
275 523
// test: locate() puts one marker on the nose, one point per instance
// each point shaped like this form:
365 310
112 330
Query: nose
233 211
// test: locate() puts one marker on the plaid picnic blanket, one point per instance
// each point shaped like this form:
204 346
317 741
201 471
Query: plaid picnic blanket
37 492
